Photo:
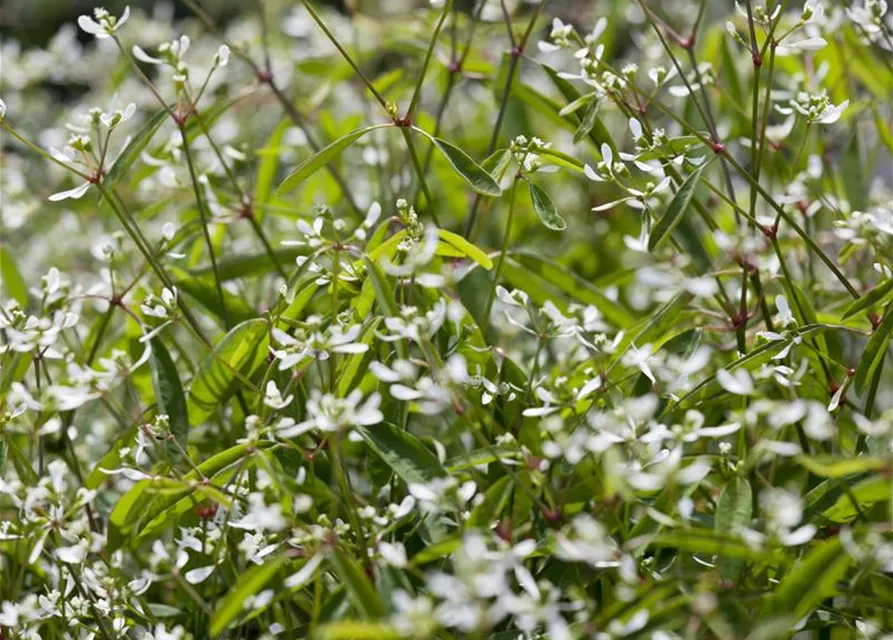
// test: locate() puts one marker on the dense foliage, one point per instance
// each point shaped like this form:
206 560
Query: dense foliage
503 321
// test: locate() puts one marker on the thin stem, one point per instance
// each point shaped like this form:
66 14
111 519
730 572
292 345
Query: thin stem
420 173
322 25
497 274
516 52
291 111
203 214
15 134
417 94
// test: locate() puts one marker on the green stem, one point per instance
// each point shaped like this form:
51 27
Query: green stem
505 244
417 94
420 173
203 214
325 29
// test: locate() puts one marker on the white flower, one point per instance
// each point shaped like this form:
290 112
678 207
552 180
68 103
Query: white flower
784 317
738 382
273 397
393 553
197 576
304 574
105 24
330 413
74 194
221 58
260 516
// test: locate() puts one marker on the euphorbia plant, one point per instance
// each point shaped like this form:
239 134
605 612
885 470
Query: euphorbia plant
491 322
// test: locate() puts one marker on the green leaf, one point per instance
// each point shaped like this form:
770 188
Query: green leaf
244 350
133 149
476 177
354 630
466 248
675 209
11 279
598 133
874 352
324 156
864 494
495 500
204 291
405 454
572 285
587 122
545 208
877 296
169 395
248 584
363 595
111 460
735 507
828 466
244 265
852 172
266 169
497 162
671 148
437 551
480 457
140 507
733 511
812 580
705 541
384 294
355 365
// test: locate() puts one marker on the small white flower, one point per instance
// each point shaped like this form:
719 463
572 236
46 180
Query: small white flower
221 58
105 24
74 194
738 382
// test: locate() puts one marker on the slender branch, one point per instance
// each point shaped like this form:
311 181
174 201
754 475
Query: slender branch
417 94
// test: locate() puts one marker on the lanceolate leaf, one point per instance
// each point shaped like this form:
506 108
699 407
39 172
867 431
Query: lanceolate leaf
466 248
203 290
243 350
496 162
249 583
704 541
362 594
11 280
826 466
733 512
858 498
133 150
324 156
411 460
545 208
170 399
590 116
874 353
675 210
140 505
735 506
355 630
812 580
476 177
877 296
